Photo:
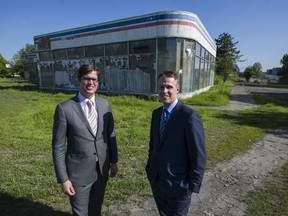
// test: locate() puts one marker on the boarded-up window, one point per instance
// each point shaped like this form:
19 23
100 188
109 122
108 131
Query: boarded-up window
43 43
75 53
116 49
198 49
94 51
143 46
47 75
59 54
167 49
196 74
45 56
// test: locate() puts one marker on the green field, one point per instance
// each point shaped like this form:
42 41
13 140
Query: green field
27 181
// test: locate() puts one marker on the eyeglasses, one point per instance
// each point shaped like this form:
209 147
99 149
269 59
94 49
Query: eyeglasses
89 79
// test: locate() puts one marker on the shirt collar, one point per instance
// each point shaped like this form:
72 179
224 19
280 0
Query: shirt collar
83 99
170 107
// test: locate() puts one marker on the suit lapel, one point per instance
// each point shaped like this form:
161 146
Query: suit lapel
100 111
156 126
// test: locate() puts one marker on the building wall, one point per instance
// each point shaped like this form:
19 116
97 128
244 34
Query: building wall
130 53
273 74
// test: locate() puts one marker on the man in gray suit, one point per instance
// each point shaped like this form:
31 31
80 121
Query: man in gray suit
83 152
177 156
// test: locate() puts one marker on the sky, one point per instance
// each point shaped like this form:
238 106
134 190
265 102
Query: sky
259 26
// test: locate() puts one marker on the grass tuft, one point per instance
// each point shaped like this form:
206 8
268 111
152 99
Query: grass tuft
217 95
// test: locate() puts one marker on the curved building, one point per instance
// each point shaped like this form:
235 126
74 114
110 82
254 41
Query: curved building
131 53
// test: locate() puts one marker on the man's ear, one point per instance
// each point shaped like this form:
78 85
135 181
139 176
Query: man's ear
178 88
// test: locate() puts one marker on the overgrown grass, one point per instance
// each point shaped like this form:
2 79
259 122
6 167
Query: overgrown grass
272 198
218 95
27 181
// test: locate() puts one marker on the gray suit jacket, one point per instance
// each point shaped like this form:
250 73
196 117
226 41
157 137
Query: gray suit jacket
74 147
179 158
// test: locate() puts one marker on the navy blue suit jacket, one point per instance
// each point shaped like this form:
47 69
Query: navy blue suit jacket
179 158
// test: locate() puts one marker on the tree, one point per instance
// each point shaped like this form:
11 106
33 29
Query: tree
4 72
19 58
227 55
257 70
248 73
284 69
253 71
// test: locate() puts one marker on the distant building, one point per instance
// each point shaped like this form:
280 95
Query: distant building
8 66
273 74
130 53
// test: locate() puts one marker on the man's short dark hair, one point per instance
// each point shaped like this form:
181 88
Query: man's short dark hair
169 74
85 69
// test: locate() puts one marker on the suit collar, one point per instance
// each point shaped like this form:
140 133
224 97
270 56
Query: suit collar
78 109
100 110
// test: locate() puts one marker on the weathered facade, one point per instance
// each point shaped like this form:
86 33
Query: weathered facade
30 69
130 53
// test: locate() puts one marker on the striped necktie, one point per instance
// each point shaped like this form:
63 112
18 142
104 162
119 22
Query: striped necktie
163 122
92 116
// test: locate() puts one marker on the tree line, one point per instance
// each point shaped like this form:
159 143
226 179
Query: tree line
17 63
227 57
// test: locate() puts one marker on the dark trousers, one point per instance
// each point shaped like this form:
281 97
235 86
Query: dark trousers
89 197
170 203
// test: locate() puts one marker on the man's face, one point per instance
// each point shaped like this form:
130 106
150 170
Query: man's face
89 84
168 89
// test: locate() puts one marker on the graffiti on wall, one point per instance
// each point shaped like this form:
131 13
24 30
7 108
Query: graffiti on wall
116 73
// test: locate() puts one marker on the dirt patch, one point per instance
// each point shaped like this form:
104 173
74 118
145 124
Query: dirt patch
225 187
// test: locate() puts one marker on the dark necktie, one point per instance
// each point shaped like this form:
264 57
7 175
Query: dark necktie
163 122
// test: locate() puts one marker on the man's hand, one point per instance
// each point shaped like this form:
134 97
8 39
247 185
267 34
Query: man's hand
113 170
68 188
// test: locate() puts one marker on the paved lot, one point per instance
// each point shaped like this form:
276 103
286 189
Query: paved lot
241 96
274 92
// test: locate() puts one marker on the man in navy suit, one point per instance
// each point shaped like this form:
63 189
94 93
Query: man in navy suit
177 156
83 152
